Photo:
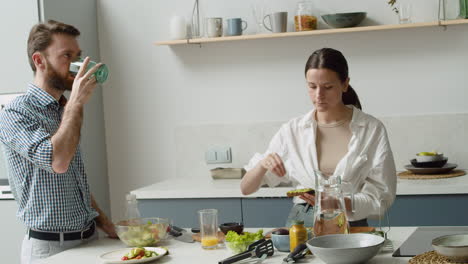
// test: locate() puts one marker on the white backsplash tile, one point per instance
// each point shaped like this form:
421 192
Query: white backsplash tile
408 135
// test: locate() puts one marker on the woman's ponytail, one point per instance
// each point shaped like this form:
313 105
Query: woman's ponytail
350 97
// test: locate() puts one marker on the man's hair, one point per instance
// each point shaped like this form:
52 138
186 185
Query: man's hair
41 34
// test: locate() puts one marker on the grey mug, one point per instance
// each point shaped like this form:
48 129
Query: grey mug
235 26
214 27
278 22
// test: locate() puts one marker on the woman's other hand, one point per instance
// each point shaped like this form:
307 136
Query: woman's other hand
274 163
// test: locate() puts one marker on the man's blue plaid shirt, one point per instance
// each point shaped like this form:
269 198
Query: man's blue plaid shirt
47 201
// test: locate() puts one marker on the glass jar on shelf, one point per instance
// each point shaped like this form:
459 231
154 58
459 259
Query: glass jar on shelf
304 20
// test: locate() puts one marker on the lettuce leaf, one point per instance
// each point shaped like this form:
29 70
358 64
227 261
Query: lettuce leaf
239 243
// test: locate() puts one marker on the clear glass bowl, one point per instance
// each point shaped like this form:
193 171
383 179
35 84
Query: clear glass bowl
143 232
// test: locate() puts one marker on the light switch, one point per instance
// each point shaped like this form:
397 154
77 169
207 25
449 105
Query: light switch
210 156
218 155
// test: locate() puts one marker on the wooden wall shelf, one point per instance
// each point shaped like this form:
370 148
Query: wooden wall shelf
314 32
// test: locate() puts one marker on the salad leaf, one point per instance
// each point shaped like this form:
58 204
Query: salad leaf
239 243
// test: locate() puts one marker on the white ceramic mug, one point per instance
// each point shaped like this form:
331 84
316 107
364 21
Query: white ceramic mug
278 22
214 27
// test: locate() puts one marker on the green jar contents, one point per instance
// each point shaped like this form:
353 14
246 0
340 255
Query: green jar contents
101 74
463 9
297 234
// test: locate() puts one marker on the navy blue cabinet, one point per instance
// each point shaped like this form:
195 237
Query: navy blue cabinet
408 210
430 210
183 212
266 212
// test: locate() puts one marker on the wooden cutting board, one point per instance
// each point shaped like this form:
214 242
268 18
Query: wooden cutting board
197 237
362 229
356 229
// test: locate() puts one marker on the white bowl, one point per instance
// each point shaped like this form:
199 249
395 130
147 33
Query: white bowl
345 249
437 157
454 247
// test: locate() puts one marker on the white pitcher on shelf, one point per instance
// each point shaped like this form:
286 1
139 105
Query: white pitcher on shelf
178 28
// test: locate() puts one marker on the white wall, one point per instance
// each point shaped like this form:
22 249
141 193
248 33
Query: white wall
153 90
15 71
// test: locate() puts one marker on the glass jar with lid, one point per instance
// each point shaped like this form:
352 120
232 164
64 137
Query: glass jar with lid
304 20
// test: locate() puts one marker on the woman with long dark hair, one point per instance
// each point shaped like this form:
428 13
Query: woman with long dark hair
336 138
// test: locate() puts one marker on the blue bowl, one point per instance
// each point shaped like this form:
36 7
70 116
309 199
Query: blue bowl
343 20
281 242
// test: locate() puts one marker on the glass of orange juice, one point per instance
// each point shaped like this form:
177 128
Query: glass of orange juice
209 228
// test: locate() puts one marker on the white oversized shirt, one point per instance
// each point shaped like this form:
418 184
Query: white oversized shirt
368 165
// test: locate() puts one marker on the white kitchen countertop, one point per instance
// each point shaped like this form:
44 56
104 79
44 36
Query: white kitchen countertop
196 188
182 253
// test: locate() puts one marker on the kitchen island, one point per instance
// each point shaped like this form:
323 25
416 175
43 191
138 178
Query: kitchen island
182 253
418 202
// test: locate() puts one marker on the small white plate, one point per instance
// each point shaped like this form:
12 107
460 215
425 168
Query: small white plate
114 257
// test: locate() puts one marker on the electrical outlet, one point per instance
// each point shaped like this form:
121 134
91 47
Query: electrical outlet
218 155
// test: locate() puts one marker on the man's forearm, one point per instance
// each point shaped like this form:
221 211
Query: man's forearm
102 218
102 221
67 137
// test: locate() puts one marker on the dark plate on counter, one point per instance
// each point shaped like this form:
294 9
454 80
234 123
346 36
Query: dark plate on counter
429 164
446 168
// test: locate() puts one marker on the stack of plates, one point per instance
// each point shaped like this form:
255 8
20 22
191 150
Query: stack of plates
435 166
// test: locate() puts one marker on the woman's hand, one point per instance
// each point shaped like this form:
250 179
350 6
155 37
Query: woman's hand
326 201
309 198
274 163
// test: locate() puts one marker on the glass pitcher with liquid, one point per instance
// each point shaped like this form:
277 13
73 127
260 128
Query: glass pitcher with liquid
330 208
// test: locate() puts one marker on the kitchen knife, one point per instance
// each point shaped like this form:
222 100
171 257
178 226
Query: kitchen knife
180 234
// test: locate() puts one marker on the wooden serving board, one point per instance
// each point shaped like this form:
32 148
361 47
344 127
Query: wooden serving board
412 176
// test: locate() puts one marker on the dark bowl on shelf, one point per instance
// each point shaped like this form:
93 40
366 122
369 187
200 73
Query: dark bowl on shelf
233 226
344 20
429 164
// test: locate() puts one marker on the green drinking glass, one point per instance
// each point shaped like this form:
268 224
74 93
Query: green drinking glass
101 73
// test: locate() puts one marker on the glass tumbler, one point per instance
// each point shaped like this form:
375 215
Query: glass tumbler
101 73
209 228
404 12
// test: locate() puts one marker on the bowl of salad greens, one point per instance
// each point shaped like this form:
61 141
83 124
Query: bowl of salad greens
143 232
238 243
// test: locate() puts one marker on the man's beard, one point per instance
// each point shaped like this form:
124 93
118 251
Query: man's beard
56 81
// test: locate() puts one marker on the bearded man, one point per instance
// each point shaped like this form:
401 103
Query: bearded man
40 131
